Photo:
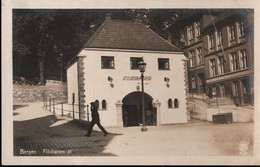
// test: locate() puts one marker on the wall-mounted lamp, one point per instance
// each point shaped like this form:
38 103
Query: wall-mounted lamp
112 85
166 79
110 79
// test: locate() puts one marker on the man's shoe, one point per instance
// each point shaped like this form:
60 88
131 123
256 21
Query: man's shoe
87 135
105 134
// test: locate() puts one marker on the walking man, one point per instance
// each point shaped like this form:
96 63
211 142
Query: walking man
95 120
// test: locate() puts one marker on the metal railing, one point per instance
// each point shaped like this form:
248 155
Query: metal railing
52 105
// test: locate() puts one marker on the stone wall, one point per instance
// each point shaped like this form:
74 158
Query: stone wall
28 94
239 114
197 111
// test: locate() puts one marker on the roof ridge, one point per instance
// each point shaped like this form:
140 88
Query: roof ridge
95 33
175 47
159 43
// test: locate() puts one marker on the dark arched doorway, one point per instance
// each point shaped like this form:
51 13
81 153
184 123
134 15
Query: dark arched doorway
132 109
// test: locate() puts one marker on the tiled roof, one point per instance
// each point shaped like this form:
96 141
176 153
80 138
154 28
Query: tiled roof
228 14
119 34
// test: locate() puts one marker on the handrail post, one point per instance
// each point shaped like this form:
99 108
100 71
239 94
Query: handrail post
79 110
53 106
50 105
46 102
87 113
62 109
217 100
73 110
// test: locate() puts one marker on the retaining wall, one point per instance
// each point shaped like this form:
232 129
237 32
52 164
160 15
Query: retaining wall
239 114
27 94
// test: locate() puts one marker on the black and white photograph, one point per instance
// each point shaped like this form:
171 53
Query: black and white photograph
130 84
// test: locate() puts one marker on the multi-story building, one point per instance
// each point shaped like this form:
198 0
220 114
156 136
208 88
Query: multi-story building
187 34
229 62
219 47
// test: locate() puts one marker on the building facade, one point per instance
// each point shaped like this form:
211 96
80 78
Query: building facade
219 47
229 63
187 34
106 72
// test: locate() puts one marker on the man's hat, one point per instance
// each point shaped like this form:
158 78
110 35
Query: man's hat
92 104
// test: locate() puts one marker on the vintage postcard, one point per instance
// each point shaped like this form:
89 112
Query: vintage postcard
130 82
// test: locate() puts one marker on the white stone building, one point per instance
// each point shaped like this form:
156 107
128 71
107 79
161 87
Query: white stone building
105 71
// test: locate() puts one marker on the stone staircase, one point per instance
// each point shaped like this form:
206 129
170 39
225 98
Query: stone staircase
213 102
220 102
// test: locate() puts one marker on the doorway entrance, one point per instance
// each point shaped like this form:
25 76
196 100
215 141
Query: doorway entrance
132 110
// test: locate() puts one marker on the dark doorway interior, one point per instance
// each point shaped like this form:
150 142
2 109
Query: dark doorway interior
132 109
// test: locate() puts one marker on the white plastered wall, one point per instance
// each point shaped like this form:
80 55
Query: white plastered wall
97 86
72 82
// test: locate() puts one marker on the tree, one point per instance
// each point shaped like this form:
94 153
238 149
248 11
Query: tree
41 36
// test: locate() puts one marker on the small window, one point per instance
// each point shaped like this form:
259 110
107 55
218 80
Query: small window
97 104
197 26
190 31
221 68
212 67
170 103
104 104
200 55
134 62
243 59
192 58
163 64
176 103
232 34
235 89
211 40
241 28
107 62
193 82
214 90
233 61
220 38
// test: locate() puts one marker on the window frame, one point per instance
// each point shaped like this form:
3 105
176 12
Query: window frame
212 67
221 65
241 28
233 62
97 104
211 40
232 32
106 65
176 103
190 32
138 59
162 61
235 89
220 38
192 58
197 29
243 58
200 57
170 103
193 82
104 104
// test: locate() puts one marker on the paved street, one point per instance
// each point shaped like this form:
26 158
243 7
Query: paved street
37 132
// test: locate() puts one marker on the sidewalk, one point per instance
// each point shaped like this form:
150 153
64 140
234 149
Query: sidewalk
40 133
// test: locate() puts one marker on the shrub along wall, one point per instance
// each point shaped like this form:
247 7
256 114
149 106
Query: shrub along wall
25 94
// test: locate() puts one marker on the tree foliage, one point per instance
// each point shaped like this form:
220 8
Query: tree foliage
40 37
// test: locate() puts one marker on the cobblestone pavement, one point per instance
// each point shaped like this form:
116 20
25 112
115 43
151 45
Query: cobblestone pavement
38 132
62 146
